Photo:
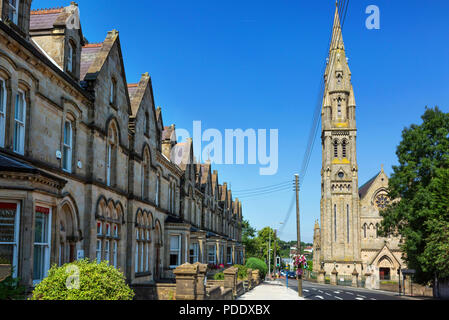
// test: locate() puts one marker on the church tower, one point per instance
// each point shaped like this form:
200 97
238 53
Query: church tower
340 217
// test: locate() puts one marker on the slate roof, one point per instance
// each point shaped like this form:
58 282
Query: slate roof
88 55
44 18
168 132
363 190
9 164
132 89
13 165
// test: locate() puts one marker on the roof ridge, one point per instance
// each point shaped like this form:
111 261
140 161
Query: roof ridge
47 10
93 45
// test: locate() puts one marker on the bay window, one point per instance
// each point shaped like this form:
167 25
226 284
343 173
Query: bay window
194 252
9 239
175 251
229 255
19 123
211 254
98 251
42 236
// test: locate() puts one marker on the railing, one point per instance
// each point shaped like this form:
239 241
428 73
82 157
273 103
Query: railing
343 280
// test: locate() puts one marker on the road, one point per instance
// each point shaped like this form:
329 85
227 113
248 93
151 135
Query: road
316 291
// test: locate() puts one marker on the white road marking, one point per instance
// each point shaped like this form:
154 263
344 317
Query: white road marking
337 292
338 298
320 297
327 293
349 293
305 290
358 298
359 295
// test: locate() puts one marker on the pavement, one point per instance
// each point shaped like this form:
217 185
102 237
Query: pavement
271 290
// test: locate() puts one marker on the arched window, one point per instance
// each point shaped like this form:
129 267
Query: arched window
339 107
335 222
111 155
19 122
113 92
347 221
2 112
147 123
335 148
67 147
158 186
343 148
143 242
71 57
146 175
108 233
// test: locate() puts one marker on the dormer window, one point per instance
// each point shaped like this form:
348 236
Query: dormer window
13 12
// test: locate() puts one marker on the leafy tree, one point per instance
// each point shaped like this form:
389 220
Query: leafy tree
421 183
248 239
83 280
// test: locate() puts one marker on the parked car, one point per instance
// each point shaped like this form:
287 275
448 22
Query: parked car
291 274
283 273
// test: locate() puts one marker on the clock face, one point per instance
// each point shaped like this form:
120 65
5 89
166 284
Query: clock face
382 201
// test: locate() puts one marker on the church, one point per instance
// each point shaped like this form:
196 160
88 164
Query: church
347 242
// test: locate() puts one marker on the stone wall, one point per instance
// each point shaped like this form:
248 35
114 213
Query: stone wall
158 291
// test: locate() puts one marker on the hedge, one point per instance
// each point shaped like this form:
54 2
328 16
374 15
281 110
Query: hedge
83 280
256 263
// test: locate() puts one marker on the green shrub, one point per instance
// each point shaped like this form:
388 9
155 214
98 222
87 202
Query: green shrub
242 273
97 281
255 263
10 289
219 276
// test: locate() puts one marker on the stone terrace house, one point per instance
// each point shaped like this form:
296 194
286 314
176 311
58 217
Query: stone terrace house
87 168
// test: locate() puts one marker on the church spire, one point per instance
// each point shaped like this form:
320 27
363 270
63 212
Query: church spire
337 37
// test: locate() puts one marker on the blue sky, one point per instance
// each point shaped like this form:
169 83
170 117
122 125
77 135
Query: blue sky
258 64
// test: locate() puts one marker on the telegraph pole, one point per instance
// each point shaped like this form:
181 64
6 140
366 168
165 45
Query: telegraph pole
269 254
298 230
275 257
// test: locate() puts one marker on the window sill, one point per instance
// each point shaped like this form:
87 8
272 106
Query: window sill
142 274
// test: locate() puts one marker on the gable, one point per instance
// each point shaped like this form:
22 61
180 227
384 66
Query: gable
106 63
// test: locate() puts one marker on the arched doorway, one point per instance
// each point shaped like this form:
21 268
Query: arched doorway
68 234
385 266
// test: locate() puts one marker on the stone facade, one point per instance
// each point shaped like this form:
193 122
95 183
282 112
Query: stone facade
86 163
347 244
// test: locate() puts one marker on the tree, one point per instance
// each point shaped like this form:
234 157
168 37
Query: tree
248 239
421 184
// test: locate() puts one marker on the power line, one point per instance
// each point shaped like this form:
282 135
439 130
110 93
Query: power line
260 188
316 119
